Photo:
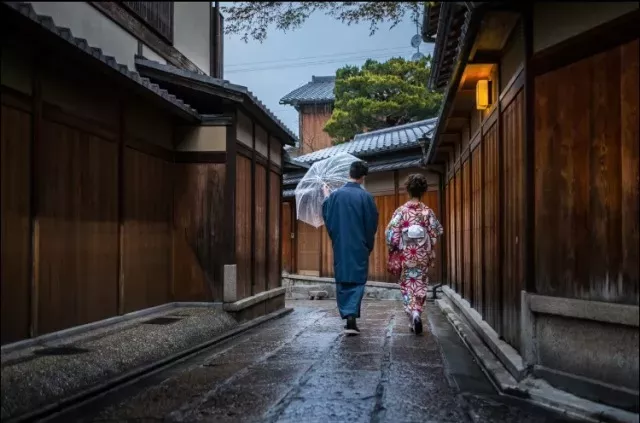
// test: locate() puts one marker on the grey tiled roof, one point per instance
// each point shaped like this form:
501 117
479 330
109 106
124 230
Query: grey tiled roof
319 90
221 83
46 22
382 140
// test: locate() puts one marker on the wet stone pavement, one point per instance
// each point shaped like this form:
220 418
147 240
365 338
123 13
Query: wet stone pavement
300 368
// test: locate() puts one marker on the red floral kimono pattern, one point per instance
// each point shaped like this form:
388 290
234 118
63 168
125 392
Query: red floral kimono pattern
416 260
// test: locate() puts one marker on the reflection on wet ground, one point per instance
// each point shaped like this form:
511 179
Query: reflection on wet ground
301 368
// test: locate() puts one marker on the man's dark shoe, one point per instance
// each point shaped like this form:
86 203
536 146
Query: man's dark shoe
351 328
417 325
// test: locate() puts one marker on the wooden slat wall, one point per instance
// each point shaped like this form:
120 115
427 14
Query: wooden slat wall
586 205
452 234
327 254
477 257
244 226
16 234
273 254
512 217
260 228
467 281
493 306
459 258
386 205
287 242
199 231
76 230
308 244
147 238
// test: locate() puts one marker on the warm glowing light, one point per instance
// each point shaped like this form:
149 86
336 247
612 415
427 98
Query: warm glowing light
483 94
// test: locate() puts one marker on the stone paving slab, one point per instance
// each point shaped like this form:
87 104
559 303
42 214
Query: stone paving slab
302 369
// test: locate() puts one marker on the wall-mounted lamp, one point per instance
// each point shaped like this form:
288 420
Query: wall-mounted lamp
483 94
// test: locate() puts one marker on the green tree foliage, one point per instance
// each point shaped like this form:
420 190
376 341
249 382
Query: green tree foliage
252 19
381 95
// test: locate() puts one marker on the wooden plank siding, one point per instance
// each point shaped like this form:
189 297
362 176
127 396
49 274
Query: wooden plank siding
308 246
512 121
147 238
273 254
467 280
244 226
458 235
386 205
452 232
199 231
491 201
287 241
586 188
326 248
76 228
15 138
477 256
260 230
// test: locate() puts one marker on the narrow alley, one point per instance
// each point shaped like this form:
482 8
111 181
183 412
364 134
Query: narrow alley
301 368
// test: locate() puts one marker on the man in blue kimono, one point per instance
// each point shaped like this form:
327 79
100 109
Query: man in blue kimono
351 218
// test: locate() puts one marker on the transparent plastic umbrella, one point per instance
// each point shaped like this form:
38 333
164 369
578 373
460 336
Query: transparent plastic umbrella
332 173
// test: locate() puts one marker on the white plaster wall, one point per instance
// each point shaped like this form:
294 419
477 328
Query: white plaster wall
380 183
276 151
244 130
202 138
86 22
152 55
432 178
15 70
512 56
191 36
151 125
261 141
81 98
554 22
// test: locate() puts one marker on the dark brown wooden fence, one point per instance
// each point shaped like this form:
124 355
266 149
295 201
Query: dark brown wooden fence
587 149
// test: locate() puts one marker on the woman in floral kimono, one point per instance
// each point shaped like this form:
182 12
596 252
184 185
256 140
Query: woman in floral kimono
411 234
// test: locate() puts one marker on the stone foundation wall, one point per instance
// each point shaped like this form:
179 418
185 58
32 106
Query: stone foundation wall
299 287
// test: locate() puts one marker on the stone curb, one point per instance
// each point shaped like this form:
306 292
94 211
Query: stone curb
536 391
51 411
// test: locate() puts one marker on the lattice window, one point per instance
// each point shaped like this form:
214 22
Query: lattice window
157 15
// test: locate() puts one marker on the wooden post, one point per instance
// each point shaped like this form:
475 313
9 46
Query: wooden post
267 268
528 207
120 194
396 188
230 282
253 207
34 228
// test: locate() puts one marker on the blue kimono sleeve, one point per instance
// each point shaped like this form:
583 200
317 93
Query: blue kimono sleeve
371 222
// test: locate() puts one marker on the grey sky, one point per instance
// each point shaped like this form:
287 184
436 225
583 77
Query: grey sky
286 61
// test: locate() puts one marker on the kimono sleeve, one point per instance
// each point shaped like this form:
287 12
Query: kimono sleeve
434 227
371 222
394 231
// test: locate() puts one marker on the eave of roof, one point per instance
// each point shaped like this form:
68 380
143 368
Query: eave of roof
472 23
319 91
386 140
95 54
233 92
